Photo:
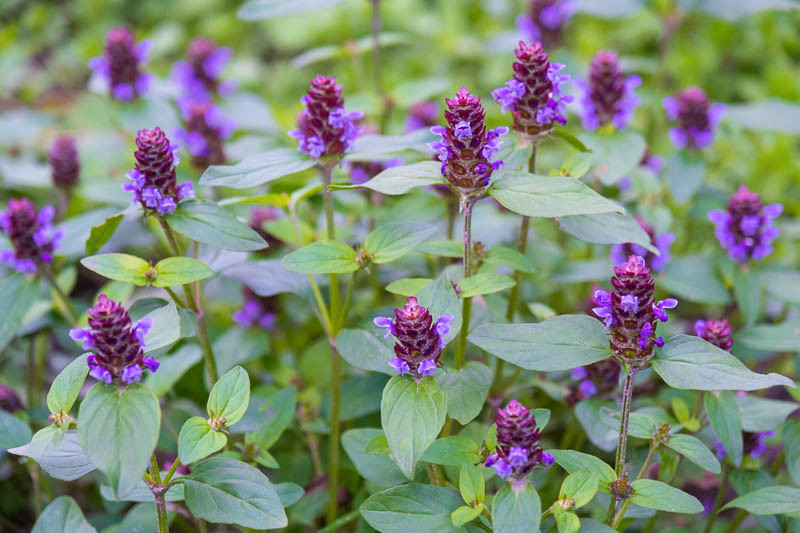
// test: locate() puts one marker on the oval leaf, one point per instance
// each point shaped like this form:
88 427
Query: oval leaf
657 495
400 180
230 396
777 499
119 267
257 169
466 390
411 508
392 241
197 440
174 271
62 516
59 453
67 384
323 257
516 511
487 283
210 224
454 450
693 449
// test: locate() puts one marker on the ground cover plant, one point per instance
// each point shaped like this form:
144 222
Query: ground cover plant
400 266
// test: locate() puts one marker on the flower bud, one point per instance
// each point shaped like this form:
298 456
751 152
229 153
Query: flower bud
205 132
518 451
64 165
621 489
608 96
746 229
31 234
118 69
619 252
419 339
696 118
717 332
153 180
117 344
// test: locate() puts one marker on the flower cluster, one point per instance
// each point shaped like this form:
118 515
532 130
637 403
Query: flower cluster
31 233
419 339
199 75
546 19
363 171
325 128
534 95
608 96
754 444
466 147
422 115
153 182
746 229
206 129
256 310
619 252
696 118
117 344
600 378
630 312
518 451
717 332
118 70
64 165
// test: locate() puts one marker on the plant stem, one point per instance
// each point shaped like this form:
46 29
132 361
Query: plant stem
320 301
346 305
737 520
466 306
642 471
175 464
158 495
71 314
723 488
41 343
622 443
346 519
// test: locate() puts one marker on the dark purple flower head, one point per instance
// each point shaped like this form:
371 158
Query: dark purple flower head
206 130
419 339
261 215
422 115
325 128
31 233
600 378
152 181
717 332
9 399
696 118
199 75
119 68
620 252
621 488
534 95
466 147
257 310
630 312
746 229
117 344
64 165
608 96
545 20
518 451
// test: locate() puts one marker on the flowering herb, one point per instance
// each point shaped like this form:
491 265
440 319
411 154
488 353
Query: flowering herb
206 129
199 75
620 252
746 228
545 20
696 118
33 238
118 70
608 96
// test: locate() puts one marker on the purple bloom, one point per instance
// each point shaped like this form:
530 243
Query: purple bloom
132 374
206 129
64 165
608 96
517 456
118 69
658 308
151 364
363 171
502 468
256 310
422 115
717 332
696 118
746 229
385 322
32 235
578 373
601 377
629 302
545 20
426 368
518 449
199 75
400 366
587 388
663 242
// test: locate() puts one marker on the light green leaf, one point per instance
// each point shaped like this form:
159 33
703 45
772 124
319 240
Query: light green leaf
615 154
574 461
561 343
454 450
62 516
120 267
166 327
174 271
392 241
230 396
208 223
402 179
579 486
58 452
322 257
777 499
102 233
510 257
408 286
289 493
693 449
440 299
516 511
566 521
726 420
367 147
657 495
412 508
67 385
487 283
464 514
197 440
747 290
685 173
471 484
466 390
257 169
364 350
607 228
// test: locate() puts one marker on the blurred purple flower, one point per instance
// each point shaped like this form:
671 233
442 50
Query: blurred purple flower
696 118
119 68
746 229
608 96
33 238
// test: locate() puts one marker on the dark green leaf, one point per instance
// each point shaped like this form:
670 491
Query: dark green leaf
392 241
174 271
322 257
17 294
102 233
120 267
777 499
62 516
466 390
279 411
607 228
210 224
747 290
693 449
289 493
726 420
411 508
364 350
257 169
791 445
657 495
516 511
454 450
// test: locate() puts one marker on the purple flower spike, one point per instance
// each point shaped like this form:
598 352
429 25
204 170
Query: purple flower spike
206 129
257 310
426 368
153 181
502 468
324 128
64 165
518 451
118 70
608 96
118 345
717 332
696 118
31 233
620 252
422 115
545 20
746 229
199 75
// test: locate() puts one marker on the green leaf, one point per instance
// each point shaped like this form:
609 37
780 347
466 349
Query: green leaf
657 495
579 486
465 514
230 396
680 409
408 286
364 350
516 511
442 248
616 154
402 179
573 461
67 385
58 452
411 416
747 290
726 420
119 267
226 491
487 283
561 343
685 173
471 484
166 327
542 417
454 450
577 165
267 9
392 241
693 449
781 284
466 390
62 516
791 445
172 368
783 337
257 169
510 257
378 446
17 294
777 499
322 257
377 469
118 429
688 362
289 493
208 223
607 228
279 411
440 299
589 414
102 233
763 414
566 521
412 508
174 271
13 431
593 526
197 440
541 196
692 278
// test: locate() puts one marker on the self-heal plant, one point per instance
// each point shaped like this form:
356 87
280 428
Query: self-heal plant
199 76
534 95
746 228
116 342
33 238
662 242
118 70
696 118
608 96
206 128
153 182
419 340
